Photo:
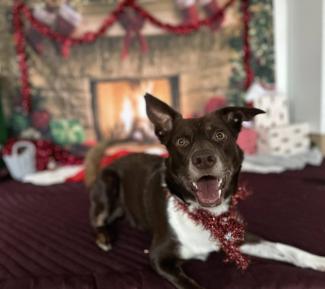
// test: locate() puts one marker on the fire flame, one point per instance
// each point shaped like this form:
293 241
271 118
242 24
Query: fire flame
127 115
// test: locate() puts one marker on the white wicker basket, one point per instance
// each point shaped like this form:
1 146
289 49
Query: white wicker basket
21 163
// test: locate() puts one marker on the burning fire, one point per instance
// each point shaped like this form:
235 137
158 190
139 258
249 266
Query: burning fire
122 108
134 107
127 115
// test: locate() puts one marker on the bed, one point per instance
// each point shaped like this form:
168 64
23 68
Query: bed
46 240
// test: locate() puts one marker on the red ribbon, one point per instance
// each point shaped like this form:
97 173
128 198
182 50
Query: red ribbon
21 9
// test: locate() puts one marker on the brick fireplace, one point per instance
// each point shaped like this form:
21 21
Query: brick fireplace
183 71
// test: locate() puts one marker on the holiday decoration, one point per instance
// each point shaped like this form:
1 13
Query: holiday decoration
258 54
67 132
227 229
40 117
67 20
132 23
44 14
21 160
284 140
46 153
188 10
62 19
275 135
276 108
66 41
211 7
20 41
40 120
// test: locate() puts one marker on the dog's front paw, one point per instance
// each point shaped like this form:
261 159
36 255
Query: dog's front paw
316 263
320 266
103 242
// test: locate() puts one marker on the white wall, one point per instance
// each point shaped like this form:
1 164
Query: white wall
300 45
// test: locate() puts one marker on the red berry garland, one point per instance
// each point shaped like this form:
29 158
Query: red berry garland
228 229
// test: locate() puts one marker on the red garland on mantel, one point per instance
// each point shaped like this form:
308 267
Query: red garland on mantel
227 229
21 9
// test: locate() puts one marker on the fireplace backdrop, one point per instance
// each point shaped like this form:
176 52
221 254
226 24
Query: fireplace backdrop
118 105
94 92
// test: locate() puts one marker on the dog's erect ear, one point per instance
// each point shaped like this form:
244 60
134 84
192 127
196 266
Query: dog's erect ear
234 116
161 115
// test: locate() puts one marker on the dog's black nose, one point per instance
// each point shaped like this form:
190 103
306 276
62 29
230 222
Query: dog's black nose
204 159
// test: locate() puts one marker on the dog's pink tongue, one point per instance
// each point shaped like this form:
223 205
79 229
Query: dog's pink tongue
208 191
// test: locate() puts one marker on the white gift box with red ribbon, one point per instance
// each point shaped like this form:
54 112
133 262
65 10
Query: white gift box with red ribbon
284 140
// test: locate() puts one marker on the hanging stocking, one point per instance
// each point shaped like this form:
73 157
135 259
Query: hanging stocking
211 8
46 15
66 22
132 23
188 11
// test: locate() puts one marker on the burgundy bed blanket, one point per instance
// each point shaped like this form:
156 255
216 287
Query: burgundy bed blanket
46 240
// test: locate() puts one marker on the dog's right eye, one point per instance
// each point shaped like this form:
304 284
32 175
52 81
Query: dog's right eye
182 142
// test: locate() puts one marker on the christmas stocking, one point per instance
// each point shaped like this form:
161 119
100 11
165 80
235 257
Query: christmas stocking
188 11
211 8
46 15
132 23
66 22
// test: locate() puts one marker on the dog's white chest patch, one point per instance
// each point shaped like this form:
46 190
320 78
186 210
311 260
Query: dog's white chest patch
194 241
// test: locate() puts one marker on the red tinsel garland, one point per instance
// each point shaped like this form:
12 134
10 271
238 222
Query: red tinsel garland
227 229
20 42
247 49
183 28
20 9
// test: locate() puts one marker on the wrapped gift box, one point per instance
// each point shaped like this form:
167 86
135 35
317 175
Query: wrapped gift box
285 140
277 111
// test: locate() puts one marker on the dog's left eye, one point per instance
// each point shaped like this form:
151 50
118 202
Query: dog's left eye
219 136
182 142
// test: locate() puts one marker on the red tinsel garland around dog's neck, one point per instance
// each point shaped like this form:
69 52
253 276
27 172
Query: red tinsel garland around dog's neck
227 229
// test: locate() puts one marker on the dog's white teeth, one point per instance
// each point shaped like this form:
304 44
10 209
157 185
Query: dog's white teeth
195 185
220 182
219 193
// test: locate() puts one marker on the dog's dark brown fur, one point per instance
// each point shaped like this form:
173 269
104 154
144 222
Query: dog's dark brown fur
133 186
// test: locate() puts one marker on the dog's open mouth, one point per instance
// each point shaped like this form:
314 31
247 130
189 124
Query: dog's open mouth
208 190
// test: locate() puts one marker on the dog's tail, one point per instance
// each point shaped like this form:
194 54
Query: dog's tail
94 157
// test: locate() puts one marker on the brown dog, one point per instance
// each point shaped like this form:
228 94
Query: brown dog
201 171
